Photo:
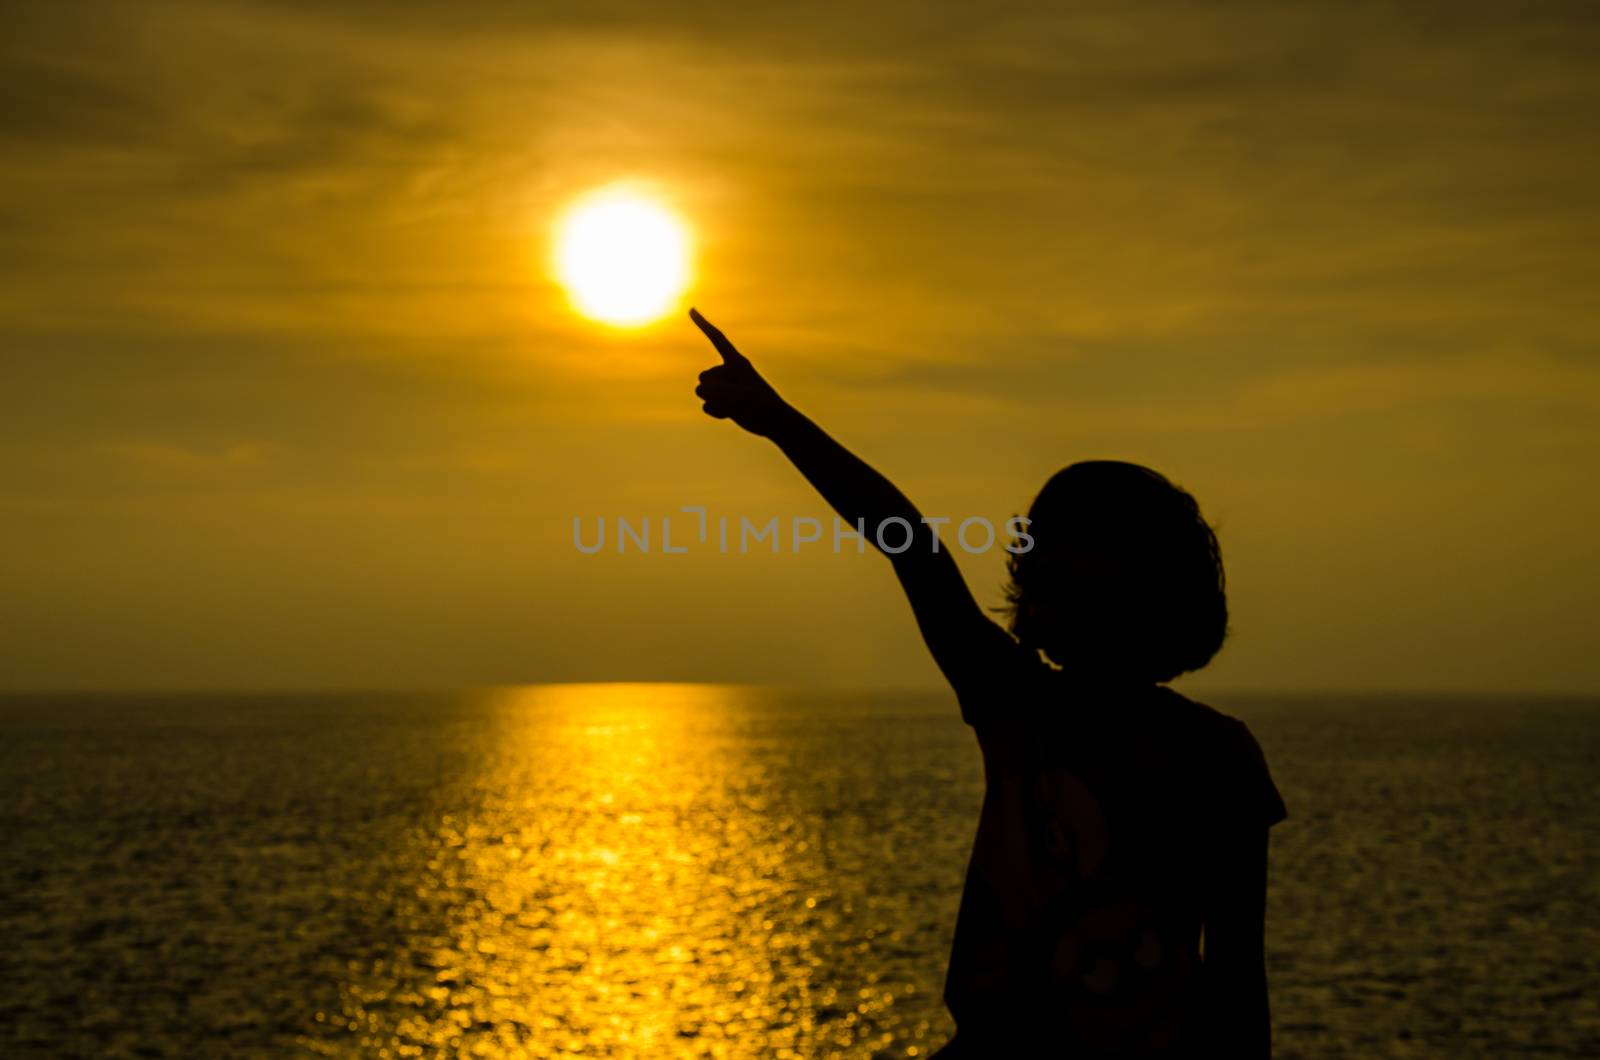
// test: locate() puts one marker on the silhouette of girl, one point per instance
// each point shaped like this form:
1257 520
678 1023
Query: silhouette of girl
1115 899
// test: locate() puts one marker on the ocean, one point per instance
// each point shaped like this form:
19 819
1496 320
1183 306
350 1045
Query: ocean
705 870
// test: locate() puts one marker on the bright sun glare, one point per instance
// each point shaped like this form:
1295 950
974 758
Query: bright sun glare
623 258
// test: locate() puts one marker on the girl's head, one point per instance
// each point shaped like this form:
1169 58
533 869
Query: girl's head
1124 580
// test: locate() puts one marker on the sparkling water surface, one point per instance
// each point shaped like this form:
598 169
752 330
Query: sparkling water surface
703 870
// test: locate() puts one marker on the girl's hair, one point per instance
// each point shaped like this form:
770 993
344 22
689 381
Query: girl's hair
1124 575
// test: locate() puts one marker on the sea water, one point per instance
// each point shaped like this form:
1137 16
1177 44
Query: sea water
705 870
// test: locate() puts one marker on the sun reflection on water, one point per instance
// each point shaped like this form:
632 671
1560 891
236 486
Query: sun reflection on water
627 877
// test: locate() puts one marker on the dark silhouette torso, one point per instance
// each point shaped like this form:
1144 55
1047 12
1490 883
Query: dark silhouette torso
1080 927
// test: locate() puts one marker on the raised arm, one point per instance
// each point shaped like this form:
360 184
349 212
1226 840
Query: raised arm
968 647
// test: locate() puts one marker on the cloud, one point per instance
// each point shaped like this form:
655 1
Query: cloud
185 462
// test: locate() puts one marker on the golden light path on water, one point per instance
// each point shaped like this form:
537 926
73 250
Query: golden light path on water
652 871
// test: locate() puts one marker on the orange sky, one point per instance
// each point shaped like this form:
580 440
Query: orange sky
292 402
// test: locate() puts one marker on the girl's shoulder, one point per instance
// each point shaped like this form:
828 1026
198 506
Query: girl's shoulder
1228 755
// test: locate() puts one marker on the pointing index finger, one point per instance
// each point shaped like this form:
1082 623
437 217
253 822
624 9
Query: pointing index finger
718 339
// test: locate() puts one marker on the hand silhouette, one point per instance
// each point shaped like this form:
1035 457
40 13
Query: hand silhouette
734 390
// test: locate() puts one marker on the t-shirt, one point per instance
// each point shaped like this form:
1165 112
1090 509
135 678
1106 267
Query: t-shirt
1079 933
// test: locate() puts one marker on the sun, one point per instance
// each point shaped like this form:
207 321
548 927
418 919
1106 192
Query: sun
622 257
